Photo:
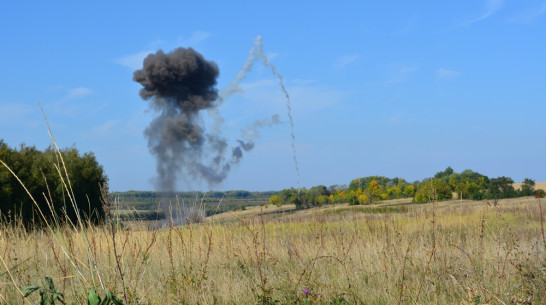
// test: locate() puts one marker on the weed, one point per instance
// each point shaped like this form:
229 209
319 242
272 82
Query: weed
48 295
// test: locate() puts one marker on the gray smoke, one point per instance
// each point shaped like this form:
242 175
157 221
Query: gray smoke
180 84
257 53
249 134
253 131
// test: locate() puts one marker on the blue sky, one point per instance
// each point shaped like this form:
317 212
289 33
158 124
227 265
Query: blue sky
392 88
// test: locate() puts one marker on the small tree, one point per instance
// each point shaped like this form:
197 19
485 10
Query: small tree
374 191
276 200
409 190
431 190
501 187
528 187
352 198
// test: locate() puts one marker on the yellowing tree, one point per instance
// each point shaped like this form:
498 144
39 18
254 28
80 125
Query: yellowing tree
341 196
409 190
276 200
363 199
374 191
323 199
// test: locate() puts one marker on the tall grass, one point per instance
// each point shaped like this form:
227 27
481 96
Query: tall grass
494 256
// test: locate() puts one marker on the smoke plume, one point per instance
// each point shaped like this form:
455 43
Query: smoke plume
179 85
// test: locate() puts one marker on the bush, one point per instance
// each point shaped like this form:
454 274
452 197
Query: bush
44 174
433 190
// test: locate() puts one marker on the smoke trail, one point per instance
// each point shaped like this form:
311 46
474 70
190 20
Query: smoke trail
260 53
255 53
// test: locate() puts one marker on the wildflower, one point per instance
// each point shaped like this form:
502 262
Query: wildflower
306 291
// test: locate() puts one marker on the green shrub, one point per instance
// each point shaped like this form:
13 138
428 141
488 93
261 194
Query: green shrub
50 177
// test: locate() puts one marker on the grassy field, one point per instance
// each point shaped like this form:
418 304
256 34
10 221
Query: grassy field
455 252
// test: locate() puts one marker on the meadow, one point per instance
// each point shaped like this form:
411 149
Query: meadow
396 252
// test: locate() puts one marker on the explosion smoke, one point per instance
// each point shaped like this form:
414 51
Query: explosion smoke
181 84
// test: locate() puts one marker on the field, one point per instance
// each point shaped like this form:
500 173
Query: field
454 252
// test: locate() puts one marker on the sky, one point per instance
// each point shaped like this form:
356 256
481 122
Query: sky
390 88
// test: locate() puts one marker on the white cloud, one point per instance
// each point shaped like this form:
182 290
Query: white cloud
195 38
78 92
75 93
491 7
446 74
65 106
106 128
529 15
344 60
396 74
133 61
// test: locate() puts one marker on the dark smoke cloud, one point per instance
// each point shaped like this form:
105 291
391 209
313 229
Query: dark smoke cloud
180 84
182 78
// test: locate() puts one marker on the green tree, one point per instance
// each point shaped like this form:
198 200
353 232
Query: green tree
446 173
462 189
287 195
317 191
501 187
352 198
44 175
528 187
432 190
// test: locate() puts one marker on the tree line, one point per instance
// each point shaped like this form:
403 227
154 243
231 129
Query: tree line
445 185
64 184
147 199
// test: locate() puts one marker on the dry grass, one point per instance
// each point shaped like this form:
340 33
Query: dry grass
446 253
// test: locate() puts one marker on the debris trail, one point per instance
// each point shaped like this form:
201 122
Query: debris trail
255 53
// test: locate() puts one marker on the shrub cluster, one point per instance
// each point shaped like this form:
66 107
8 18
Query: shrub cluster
50 177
